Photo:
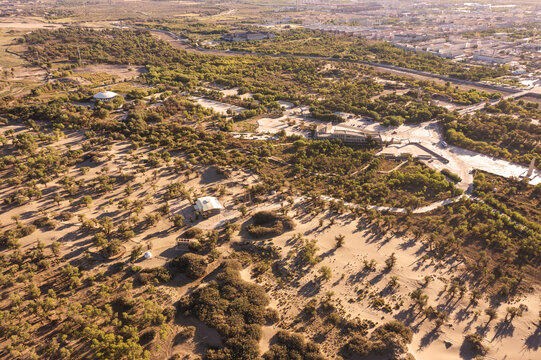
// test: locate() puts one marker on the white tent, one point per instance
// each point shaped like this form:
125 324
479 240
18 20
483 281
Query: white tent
105 96
148 255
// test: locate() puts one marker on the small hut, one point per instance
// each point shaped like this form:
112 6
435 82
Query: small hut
207 206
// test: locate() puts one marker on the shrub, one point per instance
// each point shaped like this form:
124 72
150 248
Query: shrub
290 346
235 308
389 339
271 316
45 222
475 341
451 176
65 215
193 233
178 220
86 200
169 313
360 345
154 275
193 265
269 223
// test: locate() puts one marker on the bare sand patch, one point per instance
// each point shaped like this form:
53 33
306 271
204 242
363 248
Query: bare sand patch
217 106
121 72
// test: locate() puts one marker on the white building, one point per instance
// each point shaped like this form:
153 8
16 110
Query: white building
491 58
347 134
207 205
105 96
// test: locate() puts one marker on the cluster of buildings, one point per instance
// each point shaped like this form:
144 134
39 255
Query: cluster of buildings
400 21
492 33
497 49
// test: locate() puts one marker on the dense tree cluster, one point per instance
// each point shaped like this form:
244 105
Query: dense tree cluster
515 194
352 175
268 79
193 265
498 135
102 320
235 308
111 46
500 247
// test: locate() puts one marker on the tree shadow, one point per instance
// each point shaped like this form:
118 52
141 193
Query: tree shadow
327 253
533 342
466 352
310 289
408 317
376 279
408 244
429 338
503 329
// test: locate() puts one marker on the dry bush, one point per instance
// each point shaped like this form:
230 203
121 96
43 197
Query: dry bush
269 223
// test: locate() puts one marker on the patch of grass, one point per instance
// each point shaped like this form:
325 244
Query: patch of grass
247 126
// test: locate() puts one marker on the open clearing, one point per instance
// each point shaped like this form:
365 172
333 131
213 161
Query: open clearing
216 106
120 72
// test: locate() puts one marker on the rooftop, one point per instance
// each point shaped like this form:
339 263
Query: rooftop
105 95
207 203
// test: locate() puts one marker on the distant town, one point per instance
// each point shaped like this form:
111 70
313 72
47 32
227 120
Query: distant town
481 33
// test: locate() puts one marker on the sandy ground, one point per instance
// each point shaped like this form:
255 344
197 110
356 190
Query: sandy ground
27 24
216 106
272 126
519 341
235 92
295 121
461 161
121 72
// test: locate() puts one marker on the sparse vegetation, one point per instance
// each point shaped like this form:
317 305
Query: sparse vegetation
102 255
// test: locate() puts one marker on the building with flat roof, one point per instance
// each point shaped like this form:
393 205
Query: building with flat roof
347 134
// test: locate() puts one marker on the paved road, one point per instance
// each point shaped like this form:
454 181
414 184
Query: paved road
460 161
183 43
476 107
